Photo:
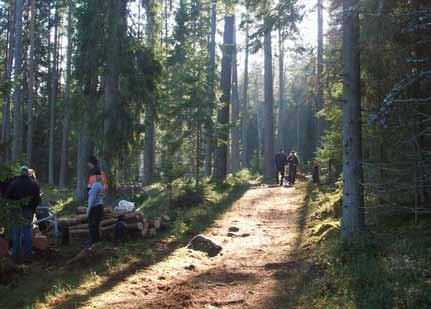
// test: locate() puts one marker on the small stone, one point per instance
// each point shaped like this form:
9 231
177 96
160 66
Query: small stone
190 267
201 243
233 229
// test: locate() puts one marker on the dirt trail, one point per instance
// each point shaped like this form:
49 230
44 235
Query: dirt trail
244 275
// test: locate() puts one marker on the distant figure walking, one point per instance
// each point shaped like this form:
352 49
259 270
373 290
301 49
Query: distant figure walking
293 162
316 172
280 165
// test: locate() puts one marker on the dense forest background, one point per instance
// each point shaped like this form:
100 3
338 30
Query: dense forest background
154 90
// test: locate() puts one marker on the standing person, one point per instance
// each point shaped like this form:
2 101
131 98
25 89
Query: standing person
280 165
93 165
293 162
316 172
24 186
95 207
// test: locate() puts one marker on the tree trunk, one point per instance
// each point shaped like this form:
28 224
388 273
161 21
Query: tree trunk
53 101
282 113
85 149
268 106
31 84
17 117
220 161
244 116
117 30
150 128
352 220
8 72
65 137
235 151
319 99
209 143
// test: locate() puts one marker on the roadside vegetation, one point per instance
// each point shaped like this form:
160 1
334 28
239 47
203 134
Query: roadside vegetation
386 268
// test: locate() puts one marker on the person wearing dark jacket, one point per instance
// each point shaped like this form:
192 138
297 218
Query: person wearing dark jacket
293 162
280 165
23 187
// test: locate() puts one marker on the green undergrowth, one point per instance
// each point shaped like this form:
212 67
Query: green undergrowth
49 283
387 268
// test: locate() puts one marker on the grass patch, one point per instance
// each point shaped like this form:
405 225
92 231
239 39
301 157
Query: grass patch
388 268
48 283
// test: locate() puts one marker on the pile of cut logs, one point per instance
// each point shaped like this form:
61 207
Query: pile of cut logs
135 222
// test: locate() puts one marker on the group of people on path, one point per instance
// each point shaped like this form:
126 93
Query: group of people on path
281 161
25 186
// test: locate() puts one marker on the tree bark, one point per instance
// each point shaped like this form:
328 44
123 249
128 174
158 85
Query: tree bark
17 117
221 153
209 142
31 84
244 116
268 106
117 31
53 99
8 72
320 99
65 137
235 151
150 128
282 113
85 149
352 219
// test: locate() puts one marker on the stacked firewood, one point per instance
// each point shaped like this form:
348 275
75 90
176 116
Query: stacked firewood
134 222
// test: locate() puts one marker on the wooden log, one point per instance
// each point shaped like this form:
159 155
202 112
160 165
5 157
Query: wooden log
109 221
78 226
135 226
152 232
81 210
4 247
108 228
78 233
157 223
40 242
78 219
134 215
146 228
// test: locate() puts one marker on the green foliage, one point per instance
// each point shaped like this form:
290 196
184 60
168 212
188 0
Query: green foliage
10 214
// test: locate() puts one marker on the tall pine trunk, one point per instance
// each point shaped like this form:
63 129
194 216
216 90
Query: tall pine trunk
244 114
66 120
54 72
150 128
17 142
221 152
352 219
8 71
116 31
209 142
282 113
268 148
319 99
31 84
235 151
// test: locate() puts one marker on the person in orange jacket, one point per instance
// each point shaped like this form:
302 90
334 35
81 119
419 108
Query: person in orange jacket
95 169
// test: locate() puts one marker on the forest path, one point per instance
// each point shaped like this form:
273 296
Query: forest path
245 275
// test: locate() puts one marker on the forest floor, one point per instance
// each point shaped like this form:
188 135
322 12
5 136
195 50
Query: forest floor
260 237
281 249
